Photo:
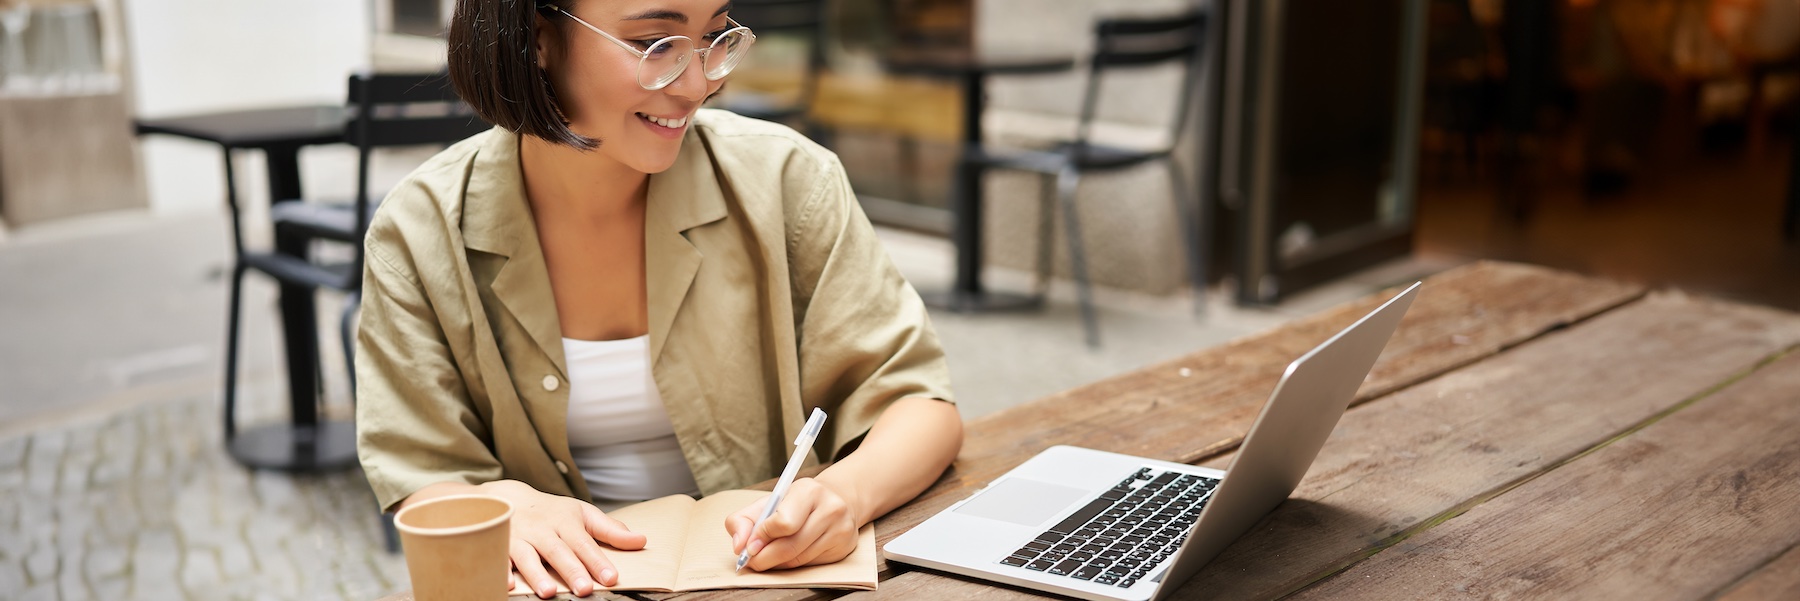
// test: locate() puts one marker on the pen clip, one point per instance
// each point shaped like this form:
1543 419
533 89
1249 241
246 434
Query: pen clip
814 424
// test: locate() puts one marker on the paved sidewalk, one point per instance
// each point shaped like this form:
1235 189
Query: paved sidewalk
146 504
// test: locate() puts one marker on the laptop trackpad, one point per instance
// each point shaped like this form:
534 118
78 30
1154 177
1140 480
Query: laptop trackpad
1023 502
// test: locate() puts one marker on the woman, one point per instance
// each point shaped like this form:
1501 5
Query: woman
615 296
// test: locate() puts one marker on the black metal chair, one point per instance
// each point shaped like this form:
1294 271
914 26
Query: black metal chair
801 19
1119 44
386 110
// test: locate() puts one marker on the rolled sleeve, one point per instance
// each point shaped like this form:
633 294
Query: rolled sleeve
865 339
416 424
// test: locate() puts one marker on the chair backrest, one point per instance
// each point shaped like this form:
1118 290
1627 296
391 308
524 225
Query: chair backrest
1132 43
401 109
803 19
405 109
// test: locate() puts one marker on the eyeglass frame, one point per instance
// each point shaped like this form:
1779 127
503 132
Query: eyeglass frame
645 55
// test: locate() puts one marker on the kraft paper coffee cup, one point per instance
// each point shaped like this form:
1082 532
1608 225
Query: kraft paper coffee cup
456 547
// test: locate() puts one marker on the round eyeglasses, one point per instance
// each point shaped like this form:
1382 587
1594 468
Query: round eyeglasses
665 60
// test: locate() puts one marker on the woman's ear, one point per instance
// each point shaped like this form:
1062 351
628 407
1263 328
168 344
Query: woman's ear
546 41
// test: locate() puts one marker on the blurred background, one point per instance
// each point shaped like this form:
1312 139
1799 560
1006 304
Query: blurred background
1231 165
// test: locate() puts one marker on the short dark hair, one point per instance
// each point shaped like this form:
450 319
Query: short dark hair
493 66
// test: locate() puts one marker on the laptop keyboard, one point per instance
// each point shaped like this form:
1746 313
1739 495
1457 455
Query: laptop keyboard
1119 537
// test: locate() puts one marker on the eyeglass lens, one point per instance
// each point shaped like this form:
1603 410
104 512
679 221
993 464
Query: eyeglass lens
666 59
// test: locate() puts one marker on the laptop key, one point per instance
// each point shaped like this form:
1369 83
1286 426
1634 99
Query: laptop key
1064 568
1015 561
1087 572
1081 516
1165 479
1040 565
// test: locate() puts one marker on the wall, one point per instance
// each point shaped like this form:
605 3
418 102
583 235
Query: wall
193 56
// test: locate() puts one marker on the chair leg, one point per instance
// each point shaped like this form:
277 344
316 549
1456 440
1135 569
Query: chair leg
909 168
1066 182
232 331
1187 204
347 334
389 533
1046 229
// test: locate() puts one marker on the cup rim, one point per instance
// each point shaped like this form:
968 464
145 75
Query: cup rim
489 523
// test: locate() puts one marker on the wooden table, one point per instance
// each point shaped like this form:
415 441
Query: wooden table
1528 433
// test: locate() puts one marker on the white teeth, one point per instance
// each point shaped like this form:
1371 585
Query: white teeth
669 123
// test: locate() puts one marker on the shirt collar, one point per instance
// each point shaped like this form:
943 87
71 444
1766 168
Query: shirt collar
497 216
497 220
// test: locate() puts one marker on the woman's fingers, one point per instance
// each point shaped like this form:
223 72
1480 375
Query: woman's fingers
802 529
779 551
828 549
739 526
531 568
787 520
591 557
605 529
555 551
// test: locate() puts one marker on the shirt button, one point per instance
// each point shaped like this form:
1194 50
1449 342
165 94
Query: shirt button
550 383
562 467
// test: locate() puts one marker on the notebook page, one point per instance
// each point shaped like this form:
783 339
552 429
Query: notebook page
663 522
709 562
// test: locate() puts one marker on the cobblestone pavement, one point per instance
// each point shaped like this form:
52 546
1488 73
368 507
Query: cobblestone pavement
146 504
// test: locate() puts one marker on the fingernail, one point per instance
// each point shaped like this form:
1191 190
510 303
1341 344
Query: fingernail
583 584
546 588
609 577
755 545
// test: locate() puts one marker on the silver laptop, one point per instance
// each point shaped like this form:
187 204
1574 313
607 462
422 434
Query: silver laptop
1099 525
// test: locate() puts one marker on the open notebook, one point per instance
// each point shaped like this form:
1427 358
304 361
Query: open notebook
689 550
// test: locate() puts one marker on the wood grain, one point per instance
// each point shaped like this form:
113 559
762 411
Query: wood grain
1417 456
1779 579
1461 316
1676 510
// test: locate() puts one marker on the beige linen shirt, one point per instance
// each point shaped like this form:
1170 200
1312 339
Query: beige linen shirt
768 295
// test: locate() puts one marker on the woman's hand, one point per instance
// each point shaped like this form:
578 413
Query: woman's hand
563 532
814 524
553 529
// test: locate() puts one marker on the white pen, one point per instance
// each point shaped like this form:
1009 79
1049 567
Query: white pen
802 444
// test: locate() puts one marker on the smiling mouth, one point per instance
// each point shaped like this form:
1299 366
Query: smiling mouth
669 123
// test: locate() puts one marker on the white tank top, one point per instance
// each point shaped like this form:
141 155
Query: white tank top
619 432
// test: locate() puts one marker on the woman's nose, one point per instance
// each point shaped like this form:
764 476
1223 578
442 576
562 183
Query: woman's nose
691 84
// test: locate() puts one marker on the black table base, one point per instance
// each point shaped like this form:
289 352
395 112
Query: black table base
307 443
966 294
320 447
